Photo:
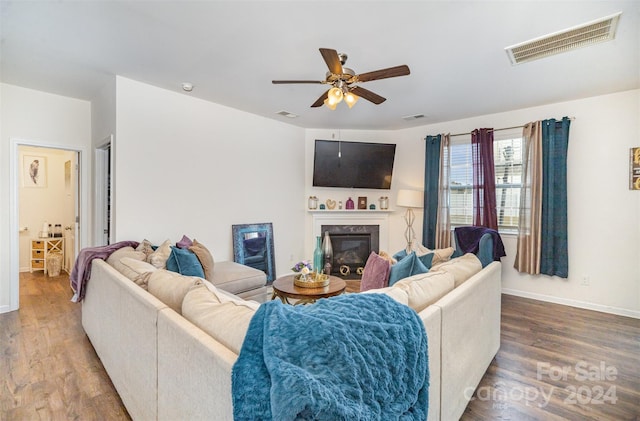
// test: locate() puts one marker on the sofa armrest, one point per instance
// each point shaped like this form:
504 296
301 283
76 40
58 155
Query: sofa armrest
470 337
194 372
432 320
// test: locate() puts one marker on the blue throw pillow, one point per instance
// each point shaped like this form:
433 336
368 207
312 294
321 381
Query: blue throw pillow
406 267
184 262
427 259
400 255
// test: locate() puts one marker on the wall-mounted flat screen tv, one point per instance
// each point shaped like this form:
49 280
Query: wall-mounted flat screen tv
357 165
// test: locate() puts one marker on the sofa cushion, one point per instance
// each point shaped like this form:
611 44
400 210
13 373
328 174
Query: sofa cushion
159 257
115 258
236 278
184 262
133 267
170 287
227 322
376 272
462 268
406 267
205 258
426 288
184 243
397 294
437 255
145 247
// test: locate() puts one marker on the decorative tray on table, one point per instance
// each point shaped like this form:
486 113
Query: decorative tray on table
311 280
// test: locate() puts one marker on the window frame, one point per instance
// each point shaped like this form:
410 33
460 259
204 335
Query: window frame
499 135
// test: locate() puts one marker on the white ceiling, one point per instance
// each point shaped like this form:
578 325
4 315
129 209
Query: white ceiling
231 50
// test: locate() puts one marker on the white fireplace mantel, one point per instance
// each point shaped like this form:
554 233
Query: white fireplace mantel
354 217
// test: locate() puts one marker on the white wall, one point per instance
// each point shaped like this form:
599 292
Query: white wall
52 203
187 166
604 215
37 118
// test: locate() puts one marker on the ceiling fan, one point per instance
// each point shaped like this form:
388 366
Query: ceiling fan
344 81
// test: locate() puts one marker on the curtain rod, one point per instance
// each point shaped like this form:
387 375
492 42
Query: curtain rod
497 130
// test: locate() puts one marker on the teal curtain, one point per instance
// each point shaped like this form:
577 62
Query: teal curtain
554 259
431 178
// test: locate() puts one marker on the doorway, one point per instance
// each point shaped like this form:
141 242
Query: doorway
45 189
104 210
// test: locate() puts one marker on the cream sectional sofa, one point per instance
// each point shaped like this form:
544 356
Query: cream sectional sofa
166 368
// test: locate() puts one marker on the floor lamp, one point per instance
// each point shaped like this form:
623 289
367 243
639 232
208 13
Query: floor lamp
410 199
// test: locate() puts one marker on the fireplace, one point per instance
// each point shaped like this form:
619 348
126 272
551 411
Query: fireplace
351 245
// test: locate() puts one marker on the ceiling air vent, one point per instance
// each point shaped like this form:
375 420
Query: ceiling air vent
413 117
600 30
287 114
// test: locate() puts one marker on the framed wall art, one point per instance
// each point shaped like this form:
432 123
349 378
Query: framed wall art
634 168
34 171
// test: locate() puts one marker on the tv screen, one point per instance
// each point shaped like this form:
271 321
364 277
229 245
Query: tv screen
353 164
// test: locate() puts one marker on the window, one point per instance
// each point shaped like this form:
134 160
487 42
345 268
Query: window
507 155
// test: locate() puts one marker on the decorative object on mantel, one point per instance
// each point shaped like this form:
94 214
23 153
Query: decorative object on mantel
327 250
350 204
322 206
313 202
340 204
410 199
331 204
384 202
362 202
634 168
372 206
318 256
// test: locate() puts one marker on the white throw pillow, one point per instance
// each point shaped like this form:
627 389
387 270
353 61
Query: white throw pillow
462 268
159 257
171 287
426 288
226 322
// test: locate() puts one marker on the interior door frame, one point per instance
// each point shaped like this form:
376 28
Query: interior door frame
104 164
82 207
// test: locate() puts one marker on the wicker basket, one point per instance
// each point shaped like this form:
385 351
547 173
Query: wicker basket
54 264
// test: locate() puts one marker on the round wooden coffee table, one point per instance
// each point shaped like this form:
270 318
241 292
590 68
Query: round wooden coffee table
284 288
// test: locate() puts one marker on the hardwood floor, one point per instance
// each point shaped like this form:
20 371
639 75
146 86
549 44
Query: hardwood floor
50 371
48 368
560 363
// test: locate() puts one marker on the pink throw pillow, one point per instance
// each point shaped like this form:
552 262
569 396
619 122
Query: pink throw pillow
376 273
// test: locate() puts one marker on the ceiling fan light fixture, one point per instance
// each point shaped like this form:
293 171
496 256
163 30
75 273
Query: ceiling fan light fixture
330 104
350 99
335 95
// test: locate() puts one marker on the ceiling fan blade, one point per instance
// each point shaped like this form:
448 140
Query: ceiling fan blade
278 82
368 95
333 61
402 70
320 101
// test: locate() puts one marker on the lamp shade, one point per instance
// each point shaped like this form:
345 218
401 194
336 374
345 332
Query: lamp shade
410 199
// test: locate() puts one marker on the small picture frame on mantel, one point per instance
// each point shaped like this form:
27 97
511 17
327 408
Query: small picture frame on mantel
362 202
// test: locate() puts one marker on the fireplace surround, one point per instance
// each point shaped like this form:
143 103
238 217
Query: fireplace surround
348 220
351 245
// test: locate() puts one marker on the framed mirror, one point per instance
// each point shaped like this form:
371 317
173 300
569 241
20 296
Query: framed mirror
253 246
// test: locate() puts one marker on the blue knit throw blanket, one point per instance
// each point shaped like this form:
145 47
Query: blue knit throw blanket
352 357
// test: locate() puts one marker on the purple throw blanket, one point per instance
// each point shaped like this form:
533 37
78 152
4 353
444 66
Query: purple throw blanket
468 240
82 268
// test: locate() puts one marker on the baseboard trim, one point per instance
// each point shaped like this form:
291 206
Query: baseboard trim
5 309
574 303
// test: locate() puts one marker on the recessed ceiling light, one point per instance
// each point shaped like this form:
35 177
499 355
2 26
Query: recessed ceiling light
187 87
287 114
